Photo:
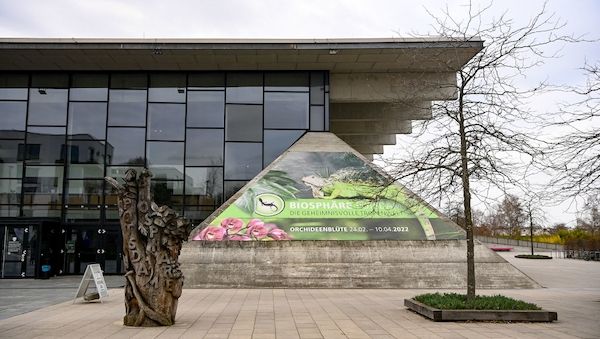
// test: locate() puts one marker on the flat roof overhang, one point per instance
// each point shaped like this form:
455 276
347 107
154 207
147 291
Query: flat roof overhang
377 86
335 55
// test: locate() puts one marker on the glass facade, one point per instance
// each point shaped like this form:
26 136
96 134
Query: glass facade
202 134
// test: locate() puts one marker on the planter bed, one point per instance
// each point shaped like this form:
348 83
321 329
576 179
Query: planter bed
534 256
479 315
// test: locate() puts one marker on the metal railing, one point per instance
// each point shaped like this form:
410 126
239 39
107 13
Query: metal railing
554 250
582 254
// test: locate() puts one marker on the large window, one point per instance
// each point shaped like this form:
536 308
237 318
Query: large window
83 199
125 146
167 87
242 160
244 88
244 123
11 158
42 190
204 186
85 158
204 147
203 135
12 114
47 106
166 121
14 86
205 108
127 107
286 110
89 87
165 159
87 120
14 94
10 191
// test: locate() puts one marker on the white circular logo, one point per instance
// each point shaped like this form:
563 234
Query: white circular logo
268 204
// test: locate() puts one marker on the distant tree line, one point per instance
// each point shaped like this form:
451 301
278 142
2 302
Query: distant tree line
511 219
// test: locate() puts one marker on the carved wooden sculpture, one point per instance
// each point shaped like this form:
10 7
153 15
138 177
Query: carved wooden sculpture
152 238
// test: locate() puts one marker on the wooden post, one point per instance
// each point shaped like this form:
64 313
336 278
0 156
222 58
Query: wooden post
152 239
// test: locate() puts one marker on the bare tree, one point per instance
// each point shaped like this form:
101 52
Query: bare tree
482 139
493 223
535 216
577 153
591 222
512 215
456 213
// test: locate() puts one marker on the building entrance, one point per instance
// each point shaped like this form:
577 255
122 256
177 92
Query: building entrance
86 245
19 250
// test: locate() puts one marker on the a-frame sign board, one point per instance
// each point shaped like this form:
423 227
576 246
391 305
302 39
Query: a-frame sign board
93 273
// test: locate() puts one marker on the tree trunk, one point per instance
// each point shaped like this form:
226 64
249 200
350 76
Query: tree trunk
530 228
152 239
467 201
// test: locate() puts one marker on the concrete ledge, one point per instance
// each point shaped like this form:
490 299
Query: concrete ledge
392 87
372 139
343 264
480 315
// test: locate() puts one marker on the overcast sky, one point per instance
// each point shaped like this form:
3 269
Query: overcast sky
254 19
292 19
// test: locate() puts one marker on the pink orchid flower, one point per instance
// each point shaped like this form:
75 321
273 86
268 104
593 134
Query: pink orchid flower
211 233
278 234
232 225
257 229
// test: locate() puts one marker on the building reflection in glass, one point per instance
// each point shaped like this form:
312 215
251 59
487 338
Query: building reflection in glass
202 134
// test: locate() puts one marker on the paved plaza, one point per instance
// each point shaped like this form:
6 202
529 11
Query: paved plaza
572 288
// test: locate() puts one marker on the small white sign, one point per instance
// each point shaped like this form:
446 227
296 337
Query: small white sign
93 273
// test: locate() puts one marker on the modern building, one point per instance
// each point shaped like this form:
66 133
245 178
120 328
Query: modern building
204 115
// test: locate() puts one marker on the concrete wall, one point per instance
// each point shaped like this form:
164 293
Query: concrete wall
344 264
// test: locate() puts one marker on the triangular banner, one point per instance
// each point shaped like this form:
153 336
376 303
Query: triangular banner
322 189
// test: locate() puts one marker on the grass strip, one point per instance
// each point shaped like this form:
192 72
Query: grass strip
455 301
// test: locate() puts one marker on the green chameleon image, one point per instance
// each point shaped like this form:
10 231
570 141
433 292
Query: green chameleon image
365 183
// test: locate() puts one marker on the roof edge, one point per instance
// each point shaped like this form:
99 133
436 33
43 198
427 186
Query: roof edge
338 43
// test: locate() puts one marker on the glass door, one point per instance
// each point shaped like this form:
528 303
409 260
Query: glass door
81 248
111 251
86 245
18 259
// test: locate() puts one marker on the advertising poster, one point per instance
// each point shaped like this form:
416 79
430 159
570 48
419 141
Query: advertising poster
326 196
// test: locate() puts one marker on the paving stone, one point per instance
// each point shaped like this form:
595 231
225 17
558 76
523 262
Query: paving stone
298 313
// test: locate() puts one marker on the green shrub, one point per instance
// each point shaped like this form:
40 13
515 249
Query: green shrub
549 239
455 301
